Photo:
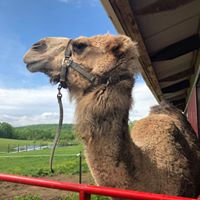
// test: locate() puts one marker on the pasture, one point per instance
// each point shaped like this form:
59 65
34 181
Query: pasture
4 143
36 163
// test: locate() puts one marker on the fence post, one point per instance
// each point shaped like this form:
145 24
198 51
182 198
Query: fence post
26 147
84 196
80 167
8 148
18 148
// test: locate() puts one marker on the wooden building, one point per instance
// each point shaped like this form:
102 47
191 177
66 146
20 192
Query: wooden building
167 33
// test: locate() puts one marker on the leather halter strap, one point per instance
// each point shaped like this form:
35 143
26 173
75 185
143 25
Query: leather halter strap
95 80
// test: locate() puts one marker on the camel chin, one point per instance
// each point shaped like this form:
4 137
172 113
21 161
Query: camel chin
35 67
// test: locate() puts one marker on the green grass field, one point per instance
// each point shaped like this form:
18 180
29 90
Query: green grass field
11 142
8 144
36 163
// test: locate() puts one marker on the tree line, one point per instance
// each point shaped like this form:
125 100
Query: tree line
40 132
36 132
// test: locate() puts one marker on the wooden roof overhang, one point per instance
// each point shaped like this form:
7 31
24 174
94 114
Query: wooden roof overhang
167 32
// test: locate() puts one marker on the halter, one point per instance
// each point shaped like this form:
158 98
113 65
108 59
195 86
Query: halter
93 79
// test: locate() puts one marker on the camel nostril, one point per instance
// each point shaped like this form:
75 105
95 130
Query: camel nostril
39 46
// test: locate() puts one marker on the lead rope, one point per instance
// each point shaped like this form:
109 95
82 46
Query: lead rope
57 136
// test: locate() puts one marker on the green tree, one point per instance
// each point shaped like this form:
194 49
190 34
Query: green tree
6 130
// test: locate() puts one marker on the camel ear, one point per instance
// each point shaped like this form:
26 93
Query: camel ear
121 44
114 46
117 49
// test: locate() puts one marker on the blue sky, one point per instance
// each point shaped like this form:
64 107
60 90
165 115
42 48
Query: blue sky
25 22
27 98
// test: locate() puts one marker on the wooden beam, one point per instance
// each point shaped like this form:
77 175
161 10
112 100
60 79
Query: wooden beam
112 16
126 19
179 75
179 102
198 84
161 6
181 106
195 77
198 104
177 97
177 49
176 87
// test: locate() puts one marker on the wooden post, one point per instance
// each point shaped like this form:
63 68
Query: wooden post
8 148
80 167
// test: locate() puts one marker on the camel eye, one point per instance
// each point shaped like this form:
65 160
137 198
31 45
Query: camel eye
79 47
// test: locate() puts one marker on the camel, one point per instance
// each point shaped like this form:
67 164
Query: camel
162 154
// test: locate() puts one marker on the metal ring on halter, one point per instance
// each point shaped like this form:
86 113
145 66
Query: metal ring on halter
67 62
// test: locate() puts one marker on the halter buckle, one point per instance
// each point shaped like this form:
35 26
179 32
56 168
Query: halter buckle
67 61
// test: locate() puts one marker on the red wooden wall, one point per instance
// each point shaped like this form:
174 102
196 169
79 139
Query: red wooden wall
192 111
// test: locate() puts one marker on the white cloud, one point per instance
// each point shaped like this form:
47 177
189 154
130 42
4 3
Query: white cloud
35 106
143 100
42 118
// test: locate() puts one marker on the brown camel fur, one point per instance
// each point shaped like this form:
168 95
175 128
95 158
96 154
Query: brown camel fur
168 139
164 154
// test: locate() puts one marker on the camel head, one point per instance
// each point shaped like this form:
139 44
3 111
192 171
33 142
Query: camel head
46 56
99 55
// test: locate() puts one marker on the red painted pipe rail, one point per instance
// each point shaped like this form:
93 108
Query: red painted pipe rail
85 191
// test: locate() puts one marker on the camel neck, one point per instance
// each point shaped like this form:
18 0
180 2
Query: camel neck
102 122
103 112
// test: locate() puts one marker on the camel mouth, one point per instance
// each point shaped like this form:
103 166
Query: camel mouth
35 66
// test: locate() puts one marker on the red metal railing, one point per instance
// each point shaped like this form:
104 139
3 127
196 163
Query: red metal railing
85 191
